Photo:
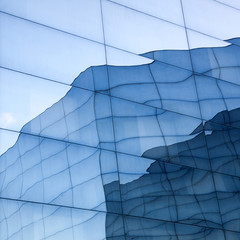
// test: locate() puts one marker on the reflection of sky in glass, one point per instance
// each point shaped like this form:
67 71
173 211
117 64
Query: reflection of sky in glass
36 49
40 221
45 45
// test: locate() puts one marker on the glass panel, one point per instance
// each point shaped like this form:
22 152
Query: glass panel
24 97
179 58
232 235
82 116
229 200
140 228
161 85
7 140
217 59
61 15
212 18
199 40
34 169
38 50
118 57
184 150
144 33
215 141
210 96
28 221
224 150
180 96
170 10
232 3
153 189
139 128
136 127
216 96
228 64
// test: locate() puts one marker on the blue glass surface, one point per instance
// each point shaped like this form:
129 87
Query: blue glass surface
119 120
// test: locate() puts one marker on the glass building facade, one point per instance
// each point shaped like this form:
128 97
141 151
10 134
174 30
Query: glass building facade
119 120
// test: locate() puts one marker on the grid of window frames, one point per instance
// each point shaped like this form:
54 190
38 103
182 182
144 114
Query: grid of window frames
119 119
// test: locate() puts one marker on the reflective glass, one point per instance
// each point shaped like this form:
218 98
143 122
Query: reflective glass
212 18
7 140
38 50
157 190
79 115
22 220
59 173
24 97
228 189
141 228
211 145
119 120
139 128
220 61
144 33
86 13
170 11
232 3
